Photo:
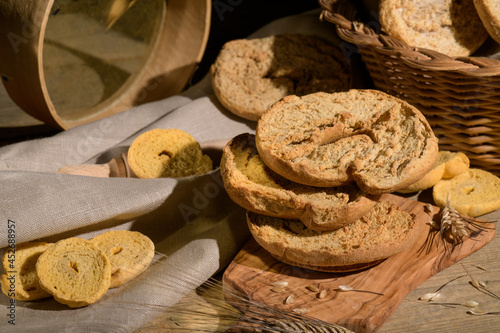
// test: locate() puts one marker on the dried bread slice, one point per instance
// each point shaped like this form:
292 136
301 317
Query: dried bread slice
20 281
129 252
473 193
383 232
252 185
489 12
456 163
381 142
448 165
74 271
249 75
169 152
450 27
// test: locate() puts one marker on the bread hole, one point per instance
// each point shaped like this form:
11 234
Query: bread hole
116 250
115 273
74 266
165 153
468 190
30 289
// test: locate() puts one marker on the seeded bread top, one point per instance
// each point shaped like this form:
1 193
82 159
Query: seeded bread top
379 141
249 75
450 27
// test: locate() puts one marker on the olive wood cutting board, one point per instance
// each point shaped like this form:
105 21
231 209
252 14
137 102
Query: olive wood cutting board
253 271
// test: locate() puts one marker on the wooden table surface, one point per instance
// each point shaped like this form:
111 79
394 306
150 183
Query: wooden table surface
412 315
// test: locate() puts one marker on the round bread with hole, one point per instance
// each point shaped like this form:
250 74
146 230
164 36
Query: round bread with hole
74 271
255 187
489 12
365 136
448 165
383 232
249 75
473 193
451 27
161 153
129 252
21 268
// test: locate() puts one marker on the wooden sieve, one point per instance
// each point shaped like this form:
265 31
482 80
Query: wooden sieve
68 62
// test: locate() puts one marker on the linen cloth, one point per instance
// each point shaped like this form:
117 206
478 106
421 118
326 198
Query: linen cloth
196 228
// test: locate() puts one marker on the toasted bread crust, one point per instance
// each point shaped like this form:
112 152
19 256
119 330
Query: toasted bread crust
489 12
385 231
249 75
448 26
255 187
382 143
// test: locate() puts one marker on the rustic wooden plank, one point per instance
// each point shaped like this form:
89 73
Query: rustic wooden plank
254 269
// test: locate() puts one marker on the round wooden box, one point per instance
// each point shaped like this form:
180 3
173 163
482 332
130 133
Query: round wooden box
69 62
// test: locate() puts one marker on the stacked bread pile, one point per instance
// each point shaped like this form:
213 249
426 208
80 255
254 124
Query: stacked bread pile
311 177
75 271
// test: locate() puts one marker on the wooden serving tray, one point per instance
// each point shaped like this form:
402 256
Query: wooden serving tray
254 270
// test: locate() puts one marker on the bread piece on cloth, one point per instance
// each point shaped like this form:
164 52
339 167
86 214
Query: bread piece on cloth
381 142
383 232
448 165
20 281
489 12
473 193
169 152
129 252
451 27
251 74
74 271
252 185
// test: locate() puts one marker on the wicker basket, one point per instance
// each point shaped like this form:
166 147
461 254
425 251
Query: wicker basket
459 96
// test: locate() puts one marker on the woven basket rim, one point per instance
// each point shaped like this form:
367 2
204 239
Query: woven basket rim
342 14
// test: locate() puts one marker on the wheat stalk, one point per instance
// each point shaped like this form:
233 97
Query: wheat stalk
454 227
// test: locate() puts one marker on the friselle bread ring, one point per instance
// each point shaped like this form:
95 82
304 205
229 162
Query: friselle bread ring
450 27
74 271
129 252
252 185
160 153
381 142
474 192
383 232
21 272
251 74
489 12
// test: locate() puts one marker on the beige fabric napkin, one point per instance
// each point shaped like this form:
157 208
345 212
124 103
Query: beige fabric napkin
195 226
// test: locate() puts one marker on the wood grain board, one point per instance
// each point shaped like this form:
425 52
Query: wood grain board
254 270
